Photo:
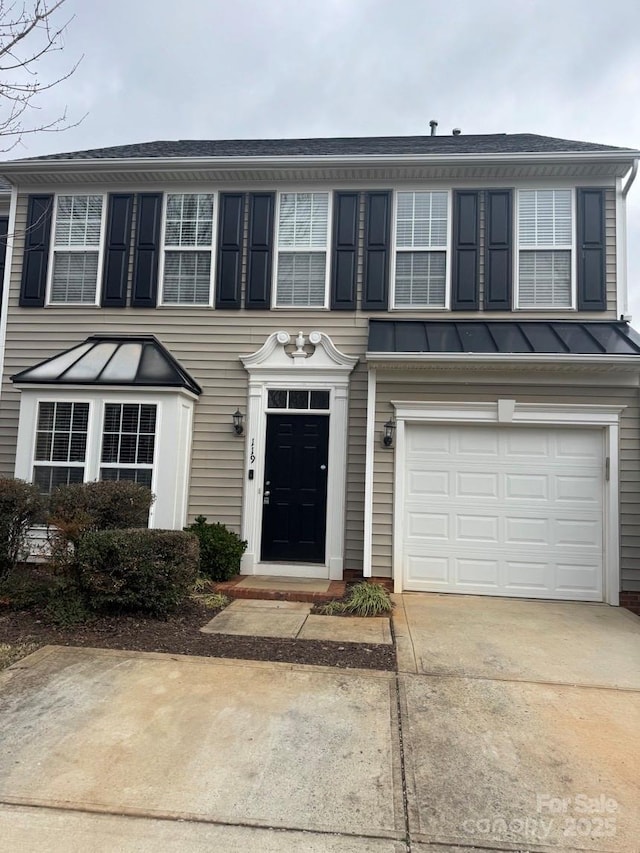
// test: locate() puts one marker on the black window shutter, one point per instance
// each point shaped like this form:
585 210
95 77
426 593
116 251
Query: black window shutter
147 250
498 252
465 295
229 266
345 251
592 286
36 251
260 259
117 249
376 251
4 230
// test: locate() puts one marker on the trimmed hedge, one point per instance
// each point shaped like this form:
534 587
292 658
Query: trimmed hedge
151 571
220 549
21 507
102 505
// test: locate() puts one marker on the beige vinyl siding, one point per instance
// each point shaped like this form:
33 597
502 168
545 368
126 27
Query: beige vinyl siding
390 388
208 342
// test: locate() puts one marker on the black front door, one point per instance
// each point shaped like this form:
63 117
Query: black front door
294 498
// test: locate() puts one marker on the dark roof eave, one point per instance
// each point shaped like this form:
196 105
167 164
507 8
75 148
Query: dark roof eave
107 164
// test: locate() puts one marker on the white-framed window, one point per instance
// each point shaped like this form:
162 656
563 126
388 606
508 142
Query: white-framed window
545 221
128 442
421 249
78 226
61 444
69 435
302 267
188 239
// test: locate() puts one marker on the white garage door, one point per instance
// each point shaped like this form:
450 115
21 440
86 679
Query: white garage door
504 511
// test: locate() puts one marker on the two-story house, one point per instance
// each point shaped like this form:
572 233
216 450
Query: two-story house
406 356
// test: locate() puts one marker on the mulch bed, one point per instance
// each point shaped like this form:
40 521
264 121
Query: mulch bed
180 634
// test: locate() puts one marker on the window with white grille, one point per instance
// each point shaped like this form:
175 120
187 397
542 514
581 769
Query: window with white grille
76 248
545 245
128 442
61 445
422 226
303 222
188 247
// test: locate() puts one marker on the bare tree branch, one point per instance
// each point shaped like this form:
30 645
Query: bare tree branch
29 32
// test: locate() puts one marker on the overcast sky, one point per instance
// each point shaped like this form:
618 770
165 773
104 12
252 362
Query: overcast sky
161 69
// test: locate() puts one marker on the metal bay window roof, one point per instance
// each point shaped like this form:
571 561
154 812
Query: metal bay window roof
140 361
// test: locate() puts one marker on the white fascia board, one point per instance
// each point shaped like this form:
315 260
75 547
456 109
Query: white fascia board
97 389
99 164
513 359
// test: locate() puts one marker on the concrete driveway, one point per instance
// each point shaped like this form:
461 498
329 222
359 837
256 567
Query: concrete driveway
518 730
521 723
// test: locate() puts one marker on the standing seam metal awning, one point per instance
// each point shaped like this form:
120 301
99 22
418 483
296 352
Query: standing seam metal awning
140 361
503 337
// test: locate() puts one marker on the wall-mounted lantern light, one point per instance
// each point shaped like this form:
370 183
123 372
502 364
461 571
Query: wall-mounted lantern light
238 417
387 436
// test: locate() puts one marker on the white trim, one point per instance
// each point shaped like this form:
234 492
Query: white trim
370 445
272 367
100 249
516 255
170 474
212 249
448 249
513 359
6 284
622 293
525 414
329 192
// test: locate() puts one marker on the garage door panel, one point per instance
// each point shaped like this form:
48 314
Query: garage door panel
476 572
526 443
516 524
582 488
476 484
477 528
527 486
485 443
425 483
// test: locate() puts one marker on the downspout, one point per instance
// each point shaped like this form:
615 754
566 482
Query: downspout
622 260
368 475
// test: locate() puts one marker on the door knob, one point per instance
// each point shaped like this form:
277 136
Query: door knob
266 494
323 467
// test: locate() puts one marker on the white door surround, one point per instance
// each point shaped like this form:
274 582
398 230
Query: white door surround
272 367
512 413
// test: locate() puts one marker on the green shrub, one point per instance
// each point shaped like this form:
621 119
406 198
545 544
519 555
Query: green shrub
368 599
151 571
103 505
20 508
66 606
220 549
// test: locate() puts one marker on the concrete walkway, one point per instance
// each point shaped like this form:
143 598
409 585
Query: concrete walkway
511 726
294 620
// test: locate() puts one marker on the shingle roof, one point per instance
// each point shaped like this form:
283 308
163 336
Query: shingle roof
495 143
139 360
503 337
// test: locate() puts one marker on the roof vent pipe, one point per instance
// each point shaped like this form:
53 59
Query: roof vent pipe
433 124
456 131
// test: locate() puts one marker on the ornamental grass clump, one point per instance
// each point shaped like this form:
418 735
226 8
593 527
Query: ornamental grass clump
368 599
